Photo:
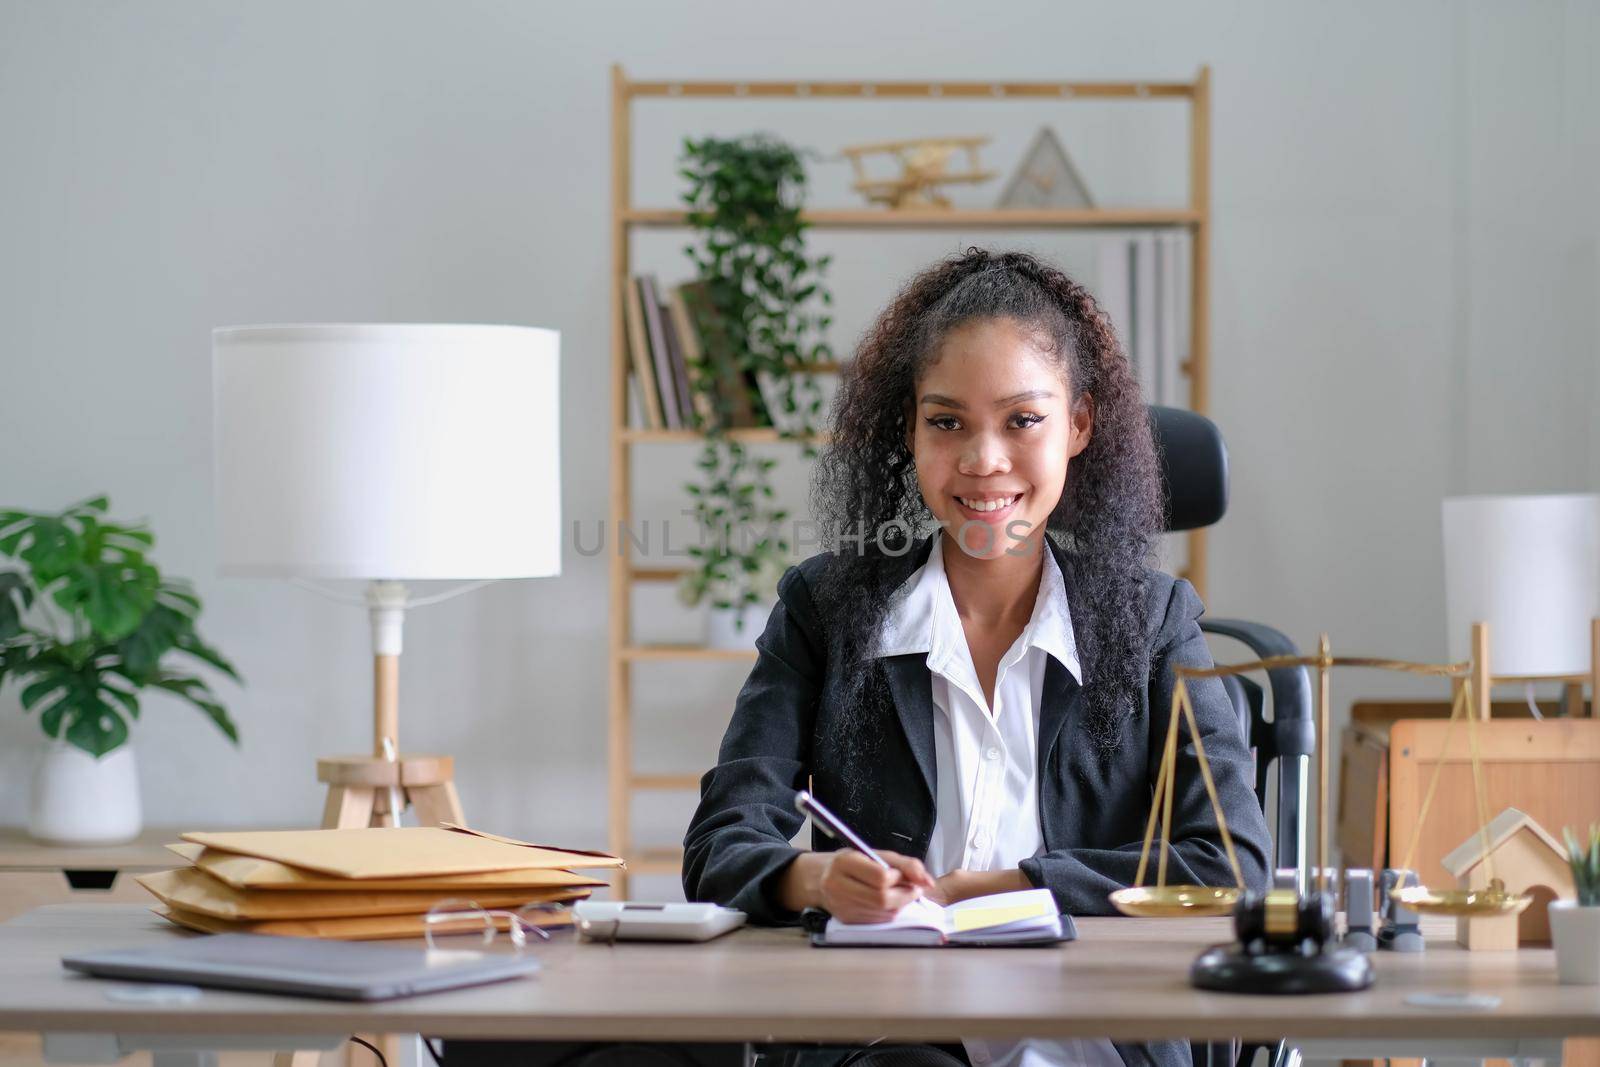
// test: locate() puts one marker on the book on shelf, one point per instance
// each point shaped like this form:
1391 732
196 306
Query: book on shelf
667 389
644 375
1142 283
1180 281
1113 268
1145 301
673 336
634 410
693 354
1023 917
1166 376
1151 311
682 390
738 391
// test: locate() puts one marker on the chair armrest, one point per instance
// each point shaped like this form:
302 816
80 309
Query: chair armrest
1293 731
1289 740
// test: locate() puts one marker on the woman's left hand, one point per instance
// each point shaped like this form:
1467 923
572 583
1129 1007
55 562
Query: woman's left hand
961 884
952 887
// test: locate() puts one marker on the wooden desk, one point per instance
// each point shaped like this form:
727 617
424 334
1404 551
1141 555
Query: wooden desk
1124 979
34 874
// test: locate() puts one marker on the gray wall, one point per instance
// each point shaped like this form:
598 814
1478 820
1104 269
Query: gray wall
1404 305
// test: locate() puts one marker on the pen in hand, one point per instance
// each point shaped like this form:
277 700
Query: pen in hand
830 824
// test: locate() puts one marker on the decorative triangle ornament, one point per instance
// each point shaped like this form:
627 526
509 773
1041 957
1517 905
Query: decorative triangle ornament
1046 178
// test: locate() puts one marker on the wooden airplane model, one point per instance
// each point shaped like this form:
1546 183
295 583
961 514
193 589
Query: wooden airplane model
924 164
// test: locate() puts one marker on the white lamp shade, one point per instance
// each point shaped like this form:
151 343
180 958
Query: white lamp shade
388 451
1529 567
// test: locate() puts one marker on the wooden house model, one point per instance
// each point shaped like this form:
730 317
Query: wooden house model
1528 860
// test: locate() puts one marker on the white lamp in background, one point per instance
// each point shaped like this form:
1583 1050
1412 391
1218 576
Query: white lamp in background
1522 588
388 453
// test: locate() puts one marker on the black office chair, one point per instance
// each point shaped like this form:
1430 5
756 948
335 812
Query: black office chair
1194 474
1194 471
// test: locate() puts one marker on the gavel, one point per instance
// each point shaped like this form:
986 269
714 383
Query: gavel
1281 919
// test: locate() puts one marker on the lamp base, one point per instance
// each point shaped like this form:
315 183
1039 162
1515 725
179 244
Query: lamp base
1233 969
359 789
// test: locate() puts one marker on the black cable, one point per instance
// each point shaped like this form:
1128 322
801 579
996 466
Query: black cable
438 1062
578 1056
382 1062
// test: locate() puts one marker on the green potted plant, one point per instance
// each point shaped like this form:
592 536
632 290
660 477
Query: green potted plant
87 625
1575 924
760 313
742 552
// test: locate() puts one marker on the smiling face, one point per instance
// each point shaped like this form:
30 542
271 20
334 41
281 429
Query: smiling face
993 428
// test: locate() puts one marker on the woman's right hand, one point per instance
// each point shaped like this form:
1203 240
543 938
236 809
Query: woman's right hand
852 887
856 890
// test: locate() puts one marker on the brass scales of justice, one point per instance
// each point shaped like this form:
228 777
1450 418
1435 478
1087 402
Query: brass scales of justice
1286 940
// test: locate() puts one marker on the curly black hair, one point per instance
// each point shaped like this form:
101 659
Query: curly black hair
865 493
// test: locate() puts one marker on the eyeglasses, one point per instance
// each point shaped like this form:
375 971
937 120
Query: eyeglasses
456 917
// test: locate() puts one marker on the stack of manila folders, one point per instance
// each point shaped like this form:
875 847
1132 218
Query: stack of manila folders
362 884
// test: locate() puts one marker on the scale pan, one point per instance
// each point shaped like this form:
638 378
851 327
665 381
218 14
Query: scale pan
1493 900
1174 901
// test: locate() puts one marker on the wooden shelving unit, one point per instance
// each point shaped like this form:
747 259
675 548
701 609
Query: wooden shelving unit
748 435
626 217
881 219
662 653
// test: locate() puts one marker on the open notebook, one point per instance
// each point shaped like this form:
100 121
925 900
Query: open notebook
1025 917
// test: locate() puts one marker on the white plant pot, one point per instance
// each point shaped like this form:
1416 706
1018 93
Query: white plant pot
723 628
80 800
1575 932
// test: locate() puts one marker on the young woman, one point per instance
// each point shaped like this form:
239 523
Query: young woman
985 705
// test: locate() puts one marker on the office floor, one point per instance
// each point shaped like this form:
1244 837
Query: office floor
19 1049
27 1050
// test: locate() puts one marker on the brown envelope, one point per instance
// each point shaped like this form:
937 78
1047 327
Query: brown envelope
364 928
248 872
398 851
196 891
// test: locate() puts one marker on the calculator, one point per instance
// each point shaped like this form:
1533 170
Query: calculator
628 920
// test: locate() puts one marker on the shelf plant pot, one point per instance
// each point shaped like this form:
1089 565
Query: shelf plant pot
81 800
736 627
1575 933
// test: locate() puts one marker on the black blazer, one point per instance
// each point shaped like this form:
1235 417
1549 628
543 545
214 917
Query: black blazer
1092 808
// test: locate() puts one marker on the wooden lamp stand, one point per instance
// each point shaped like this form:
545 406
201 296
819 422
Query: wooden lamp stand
382 452
373 790
1572 700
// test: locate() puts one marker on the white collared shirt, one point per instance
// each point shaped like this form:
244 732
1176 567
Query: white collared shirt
986 759
986 796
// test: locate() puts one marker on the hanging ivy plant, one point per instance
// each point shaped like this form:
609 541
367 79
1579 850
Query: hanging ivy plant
761 316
